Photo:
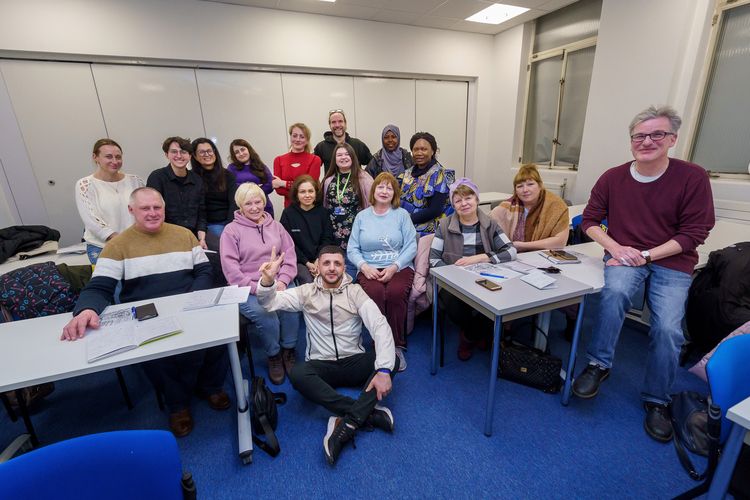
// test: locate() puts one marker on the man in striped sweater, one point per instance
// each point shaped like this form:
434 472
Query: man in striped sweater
154 259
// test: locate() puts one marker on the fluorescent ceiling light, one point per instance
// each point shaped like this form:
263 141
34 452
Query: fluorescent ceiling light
329 1
497 13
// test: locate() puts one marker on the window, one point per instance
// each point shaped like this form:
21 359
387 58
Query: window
721 142
559 76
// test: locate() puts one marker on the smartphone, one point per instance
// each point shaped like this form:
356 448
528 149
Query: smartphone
146 311
489 285
562 255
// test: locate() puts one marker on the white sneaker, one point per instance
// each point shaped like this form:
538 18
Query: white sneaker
401 359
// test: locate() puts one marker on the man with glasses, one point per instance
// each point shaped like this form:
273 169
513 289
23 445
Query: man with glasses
181 188
659 209
337 135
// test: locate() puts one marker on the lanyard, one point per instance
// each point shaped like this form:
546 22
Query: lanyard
340 192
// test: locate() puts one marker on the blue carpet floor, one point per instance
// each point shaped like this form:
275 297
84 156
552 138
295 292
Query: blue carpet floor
590 449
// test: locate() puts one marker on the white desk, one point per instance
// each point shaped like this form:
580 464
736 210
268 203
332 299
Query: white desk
69 259
739 415
31 351
491 197
516 300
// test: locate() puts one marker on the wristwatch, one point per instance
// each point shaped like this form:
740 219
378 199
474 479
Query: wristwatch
646 255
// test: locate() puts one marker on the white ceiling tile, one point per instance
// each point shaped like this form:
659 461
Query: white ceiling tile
422 7
436 22
551 5
460 9
395 16
268 4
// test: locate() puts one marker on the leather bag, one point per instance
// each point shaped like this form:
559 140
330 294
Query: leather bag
265 416
697 426
529 366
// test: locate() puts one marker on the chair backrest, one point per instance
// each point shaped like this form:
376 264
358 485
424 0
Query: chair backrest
728 373
112 465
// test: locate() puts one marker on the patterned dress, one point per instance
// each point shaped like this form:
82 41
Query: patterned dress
342 211
416 193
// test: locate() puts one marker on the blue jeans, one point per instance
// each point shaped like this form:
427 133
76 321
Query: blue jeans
275 329
216 228
666 296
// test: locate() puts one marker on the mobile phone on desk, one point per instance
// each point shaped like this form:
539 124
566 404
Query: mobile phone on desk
562 255
146 311
489 285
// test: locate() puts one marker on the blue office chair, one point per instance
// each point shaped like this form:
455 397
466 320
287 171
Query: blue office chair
728 373
112 465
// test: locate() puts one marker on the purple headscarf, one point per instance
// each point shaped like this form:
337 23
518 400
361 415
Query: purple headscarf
393 161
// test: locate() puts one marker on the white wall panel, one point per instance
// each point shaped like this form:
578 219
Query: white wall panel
142 106
58 114
246 105
309 98
380 101
441 110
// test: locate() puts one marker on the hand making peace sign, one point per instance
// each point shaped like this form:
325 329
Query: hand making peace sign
270 269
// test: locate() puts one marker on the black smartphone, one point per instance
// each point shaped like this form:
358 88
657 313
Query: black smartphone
146 311
489 285
562 255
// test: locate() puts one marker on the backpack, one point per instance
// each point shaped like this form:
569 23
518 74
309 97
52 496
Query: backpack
697 426
36 290
265 415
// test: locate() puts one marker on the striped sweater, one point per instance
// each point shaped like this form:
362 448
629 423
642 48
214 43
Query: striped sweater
150 265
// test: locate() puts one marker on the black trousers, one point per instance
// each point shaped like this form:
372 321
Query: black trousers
179 377
317 380
474 324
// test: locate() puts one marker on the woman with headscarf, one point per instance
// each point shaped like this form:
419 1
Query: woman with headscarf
391 158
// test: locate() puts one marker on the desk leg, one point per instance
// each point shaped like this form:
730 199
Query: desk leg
727 461
542 323
433 361
25 415
493 376
572 357
244 427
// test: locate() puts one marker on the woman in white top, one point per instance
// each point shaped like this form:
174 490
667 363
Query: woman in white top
102 197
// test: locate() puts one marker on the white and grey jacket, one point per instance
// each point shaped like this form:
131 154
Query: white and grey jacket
334 319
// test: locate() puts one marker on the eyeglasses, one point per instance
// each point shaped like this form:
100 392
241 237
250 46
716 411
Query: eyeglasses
659 135
208 152
178 152
335 111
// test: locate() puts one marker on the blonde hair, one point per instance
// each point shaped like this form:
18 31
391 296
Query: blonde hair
305 131
248 190
527 172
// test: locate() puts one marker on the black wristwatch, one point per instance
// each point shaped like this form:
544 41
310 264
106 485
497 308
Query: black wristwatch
646 255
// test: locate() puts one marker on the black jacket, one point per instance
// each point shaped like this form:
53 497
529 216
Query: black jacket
324 149
310 231
16 239
184 198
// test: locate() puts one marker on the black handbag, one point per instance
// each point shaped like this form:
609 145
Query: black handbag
697 426
265 415
530 366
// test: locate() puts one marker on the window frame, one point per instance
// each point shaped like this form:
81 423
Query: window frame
561 51
707 72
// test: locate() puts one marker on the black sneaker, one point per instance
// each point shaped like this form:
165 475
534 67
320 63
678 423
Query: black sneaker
658 423
338 434
586 385
381 418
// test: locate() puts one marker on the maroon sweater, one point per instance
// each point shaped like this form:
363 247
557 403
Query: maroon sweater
677 206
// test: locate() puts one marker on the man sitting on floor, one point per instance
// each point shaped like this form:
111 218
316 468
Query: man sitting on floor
154 259
334 309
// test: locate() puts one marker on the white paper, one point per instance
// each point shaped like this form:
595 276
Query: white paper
116 335
79 248
518 266
539 280
496 272
156 328
202 298
234 295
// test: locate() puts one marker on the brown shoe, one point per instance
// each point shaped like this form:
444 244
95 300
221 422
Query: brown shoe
465 347
181 423
276 369
289 357
219 401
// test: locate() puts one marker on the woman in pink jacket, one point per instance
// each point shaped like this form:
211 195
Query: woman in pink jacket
246 243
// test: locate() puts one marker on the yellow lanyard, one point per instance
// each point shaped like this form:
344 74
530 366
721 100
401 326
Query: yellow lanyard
340 192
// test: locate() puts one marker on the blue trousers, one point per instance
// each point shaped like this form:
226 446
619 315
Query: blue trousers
666 295
275 329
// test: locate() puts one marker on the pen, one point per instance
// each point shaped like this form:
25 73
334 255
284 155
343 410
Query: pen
492 275
132 312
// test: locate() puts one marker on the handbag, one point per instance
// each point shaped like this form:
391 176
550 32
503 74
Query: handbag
265 415
530 366
696 428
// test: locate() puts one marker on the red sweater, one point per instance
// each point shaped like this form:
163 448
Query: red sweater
290 166
677 206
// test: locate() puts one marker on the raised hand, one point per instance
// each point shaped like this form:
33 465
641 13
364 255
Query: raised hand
270 269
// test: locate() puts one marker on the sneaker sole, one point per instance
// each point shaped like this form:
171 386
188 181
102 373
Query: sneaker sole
390 416
592 395
329 431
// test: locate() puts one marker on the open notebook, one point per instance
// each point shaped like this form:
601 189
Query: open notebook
110 339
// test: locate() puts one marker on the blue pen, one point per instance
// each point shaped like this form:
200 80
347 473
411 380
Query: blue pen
132 312
492 275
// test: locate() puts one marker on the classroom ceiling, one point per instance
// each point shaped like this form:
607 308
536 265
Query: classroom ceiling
442 14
